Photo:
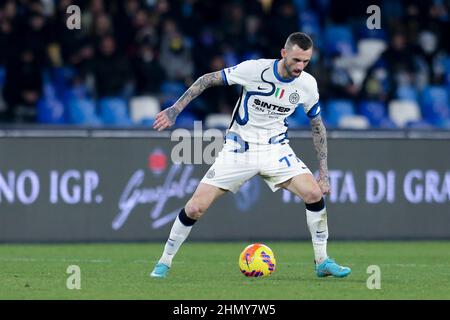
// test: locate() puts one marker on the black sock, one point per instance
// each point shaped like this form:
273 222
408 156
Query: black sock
185 219
316 206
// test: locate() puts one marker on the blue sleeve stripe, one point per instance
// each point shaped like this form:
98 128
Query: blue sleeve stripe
224 78
314 111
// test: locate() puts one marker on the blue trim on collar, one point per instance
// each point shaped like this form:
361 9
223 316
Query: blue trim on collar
224 77
275 72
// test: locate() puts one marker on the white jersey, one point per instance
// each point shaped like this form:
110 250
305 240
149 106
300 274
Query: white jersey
267 100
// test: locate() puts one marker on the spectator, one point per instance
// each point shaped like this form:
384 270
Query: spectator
341 84
233 26
254 40
217 99
431 54
172 42
280 25
8 20
396 66
23 86
75 46
148 73
101 28
111 71
175 55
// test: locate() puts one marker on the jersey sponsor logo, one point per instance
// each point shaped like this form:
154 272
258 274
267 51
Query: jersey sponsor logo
294 98
270 106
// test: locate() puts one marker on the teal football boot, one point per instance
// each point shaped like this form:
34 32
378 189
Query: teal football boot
330 268
160 271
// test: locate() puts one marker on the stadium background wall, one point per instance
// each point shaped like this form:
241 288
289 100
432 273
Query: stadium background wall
89 185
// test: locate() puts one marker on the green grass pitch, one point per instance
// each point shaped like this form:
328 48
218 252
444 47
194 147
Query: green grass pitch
205 271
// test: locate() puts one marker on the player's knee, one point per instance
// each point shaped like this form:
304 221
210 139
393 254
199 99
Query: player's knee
195 209
314 195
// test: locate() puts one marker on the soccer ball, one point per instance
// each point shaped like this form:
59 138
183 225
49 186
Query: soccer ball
257 260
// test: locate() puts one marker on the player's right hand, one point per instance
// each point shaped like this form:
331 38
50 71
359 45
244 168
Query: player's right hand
165 119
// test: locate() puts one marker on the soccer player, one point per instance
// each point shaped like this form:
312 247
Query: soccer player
257 143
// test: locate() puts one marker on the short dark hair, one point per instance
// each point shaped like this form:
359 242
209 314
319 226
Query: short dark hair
300 39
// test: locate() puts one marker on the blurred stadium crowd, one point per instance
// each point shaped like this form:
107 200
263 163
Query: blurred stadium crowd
132 58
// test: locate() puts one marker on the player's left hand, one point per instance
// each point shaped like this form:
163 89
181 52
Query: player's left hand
324 184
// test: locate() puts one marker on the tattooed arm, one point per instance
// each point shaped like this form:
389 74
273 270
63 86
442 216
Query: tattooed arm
319 134
167 117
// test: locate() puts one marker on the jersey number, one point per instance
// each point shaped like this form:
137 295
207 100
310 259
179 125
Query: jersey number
286 159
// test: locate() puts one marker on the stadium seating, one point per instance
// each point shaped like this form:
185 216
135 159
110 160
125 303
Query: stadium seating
434 102
387 123
172 89
445 124
402 111
406 92
2 75
218 120
83 112
341 44
420 124
144 109
446 66
49 90
369 50
301 5
114 111
50 111
336 109
339 40
374 111
185 120
298 119
365 33
353 122
310 24
61 78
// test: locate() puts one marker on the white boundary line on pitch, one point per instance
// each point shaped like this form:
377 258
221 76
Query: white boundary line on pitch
24 259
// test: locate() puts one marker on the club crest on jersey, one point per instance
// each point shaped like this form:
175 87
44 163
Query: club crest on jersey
294 98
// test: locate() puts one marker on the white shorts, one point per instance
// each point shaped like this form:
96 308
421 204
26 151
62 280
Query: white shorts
275 163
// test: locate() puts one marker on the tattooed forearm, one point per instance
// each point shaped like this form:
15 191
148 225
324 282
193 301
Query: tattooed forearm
202 83
167 117
319 134
172 114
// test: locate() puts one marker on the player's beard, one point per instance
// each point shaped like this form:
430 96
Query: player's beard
289 72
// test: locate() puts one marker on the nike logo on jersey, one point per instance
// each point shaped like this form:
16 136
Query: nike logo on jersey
259 88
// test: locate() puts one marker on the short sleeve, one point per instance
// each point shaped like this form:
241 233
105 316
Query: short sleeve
239 74
311 104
